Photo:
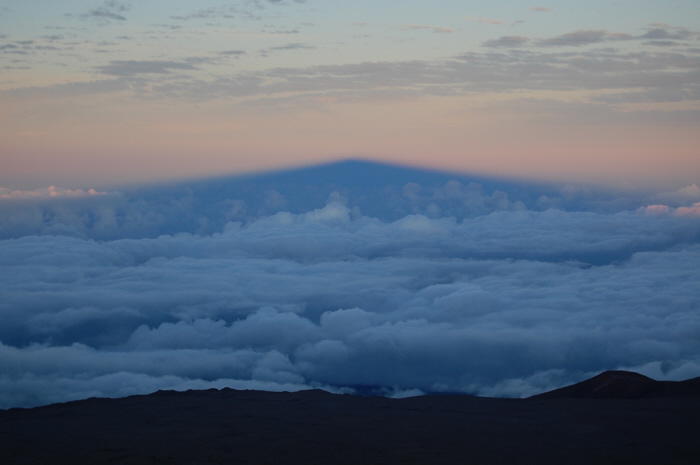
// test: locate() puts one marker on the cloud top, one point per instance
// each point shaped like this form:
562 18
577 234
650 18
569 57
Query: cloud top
506 301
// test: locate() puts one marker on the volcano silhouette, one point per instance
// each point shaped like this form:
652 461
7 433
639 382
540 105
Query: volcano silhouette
624 385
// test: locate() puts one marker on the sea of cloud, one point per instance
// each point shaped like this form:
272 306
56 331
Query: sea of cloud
504 300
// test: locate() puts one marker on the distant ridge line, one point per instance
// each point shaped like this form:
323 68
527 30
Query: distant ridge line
619 384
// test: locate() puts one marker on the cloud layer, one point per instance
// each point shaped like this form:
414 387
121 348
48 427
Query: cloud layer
506 301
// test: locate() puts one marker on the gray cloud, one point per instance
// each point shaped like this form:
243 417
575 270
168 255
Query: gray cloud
223 12
661 33
283 31
488 20
491 72
109 10
507 41
47 47
663 43
294 46
639 76
637 73
595 36
53 37
584 37
507 300
250 10
232 52
662 75
436 29
134 67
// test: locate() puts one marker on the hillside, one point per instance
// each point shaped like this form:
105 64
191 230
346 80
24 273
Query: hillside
316 427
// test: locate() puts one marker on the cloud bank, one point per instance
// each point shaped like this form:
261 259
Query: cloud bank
505 300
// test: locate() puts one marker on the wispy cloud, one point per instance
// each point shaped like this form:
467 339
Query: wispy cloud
134 67
507 42
584 37
541 9
658 33
594 36
618 76
233 52
229 12
282 31
108 11
437 29
487 20
293 46
250 9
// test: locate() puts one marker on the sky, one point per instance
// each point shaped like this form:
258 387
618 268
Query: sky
352 277
97 94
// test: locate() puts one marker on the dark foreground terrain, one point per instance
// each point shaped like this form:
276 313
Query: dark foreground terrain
648 426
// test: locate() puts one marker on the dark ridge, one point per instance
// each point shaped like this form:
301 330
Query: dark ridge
229 426
624 385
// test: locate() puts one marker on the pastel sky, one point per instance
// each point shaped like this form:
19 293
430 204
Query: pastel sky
97 93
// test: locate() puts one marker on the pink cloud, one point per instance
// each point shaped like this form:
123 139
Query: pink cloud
662 210
655 210
688 211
